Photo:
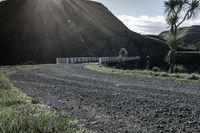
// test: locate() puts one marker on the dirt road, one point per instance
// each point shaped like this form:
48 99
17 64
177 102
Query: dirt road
111 103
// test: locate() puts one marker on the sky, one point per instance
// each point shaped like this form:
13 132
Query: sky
142 16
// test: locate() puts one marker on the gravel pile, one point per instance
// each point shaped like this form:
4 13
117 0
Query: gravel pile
108 103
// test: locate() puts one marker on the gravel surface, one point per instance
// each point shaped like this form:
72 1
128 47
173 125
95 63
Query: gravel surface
108 103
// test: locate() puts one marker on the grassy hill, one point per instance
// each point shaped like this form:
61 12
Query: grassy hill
188 37
41 30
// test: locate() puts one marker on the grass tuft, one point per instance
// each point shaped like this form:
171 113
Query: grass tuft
147 73
4 83
21 114
29 118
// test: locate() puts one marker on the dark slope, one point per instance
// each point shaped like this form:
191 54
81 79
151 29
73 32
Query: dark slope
156 37
187 35
41 30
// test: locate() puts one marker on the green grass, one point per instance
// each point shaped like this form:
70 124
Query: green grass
20 114
145 73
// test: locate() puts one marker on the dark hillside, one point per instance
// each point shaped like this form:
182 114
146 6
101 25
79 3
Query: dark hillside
156 37
188 37
41 30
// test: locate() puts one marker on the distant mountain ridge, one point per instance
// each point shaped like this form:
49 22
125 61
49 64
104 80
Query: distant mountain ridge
188 37
41 30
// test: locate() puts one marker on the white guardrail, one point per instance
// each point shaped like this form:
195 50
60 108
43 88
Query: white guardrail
100 60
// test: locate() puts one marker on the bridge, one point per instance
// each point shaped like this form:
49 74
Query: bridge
100 60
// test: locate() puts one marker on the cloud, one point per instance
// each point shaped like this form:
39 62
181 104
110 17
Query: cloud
149 25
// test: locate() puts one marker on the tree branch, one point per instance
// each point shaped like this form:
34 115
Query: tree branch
183 18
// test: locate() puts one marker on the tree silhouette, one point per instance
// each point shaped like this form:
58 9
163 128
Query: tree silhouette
178 11
123 54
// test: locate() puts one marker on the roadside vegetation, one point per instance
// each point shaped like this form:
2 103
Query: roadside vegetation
145 73
20 114
178 11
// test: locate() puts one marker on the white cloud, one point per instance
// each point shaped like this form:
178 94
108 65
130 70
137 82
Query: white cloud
149 25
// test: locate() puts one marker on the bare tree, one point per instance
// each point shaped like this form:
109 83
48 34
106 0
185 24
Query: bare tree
178 11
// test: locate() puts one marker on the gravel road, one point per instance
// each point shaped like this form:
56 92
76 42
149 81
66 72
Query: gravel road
108 103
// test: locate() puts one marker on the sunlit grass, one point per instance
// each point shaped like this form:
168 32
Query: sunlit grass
145 73
19 114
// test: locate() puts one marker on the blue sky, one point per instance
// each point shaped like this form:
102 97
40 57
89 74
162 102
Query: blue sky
142 16
135 7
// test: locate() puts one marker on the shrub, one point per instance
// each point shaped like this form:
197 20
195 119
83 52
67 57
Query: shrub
4 83
30 63
180 69
175 76
156 69
156 74
163 74
193 77
33 119
35 101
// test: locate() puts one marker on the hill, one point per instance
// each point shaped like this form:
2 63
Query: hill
42 30
188 37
